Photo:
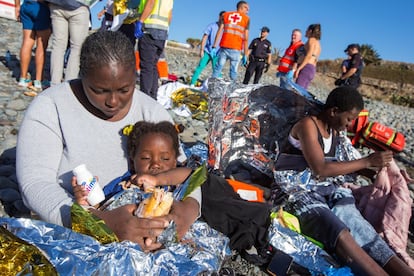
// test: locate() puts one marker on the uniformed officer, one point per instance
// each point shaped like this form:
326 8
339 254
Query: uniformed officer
260 55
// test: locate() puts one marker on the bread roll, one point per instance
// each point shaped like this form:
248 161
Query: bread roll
158 204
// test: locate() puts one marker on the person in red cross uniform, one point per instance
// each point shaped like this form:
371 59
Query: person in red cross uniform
234 33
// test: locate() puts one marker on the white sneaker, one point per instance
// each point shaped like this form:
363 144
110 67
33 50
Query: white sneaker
24 82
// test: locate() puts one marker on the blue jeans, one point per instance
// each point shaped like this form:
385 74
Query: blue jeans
282 80
223 55
361 230
324 217
204 60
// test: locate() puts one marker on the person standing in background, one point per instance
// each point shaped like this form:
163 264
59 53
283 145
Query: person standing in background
290 59
260 56
234 33
307 69
352 75
35 18
152 31
205 49
70 20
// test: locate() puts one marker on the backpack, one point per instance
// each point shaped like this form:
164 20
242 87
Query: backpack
374 135
380 137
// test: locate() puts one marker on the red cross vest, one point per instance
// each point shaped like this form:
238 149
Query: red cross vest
233 33
286 62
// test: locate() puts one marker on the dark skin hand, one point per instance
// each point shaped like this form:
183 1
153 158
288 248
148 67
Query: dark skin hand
183 213
126 226
145 231
306 131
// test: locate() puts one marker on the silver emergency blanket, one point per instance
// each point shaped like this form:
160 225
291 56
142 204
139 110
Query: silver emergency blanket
72 253
294 182
250 123
304 252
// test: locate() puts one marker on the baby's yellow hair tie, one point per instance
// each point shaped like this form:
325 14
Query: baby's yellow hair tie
127 130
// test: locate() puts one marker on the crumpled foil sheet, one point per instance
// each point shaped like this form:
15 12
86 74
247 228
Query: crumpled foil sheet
195 100
249 122
292 182
345 151
304 252
18 256
85 222
72 253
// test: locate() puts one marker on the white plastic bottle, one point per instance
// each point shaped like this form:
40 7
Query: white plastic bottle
86 179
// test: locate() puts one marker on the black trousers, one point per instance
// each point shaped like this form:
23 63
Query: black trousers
255 67
129 31
150 50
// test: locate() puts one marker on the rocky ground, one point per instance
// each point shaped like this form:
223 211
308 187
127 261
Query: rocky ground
181 63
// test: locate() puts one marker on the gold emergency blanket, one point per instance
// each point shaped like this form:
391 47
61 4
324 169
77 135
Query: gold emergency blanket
86 223
128 7
20 257
195 100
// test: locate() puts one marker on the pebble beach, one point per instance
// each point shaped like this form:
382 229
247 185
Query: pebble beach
13 104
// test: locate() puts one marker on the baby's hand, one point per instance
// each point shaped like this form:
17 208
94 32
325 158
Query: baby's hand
80 193
145 181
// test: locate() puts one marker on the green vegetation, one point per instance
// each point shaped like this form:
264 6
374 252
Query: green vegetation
194 42
370 55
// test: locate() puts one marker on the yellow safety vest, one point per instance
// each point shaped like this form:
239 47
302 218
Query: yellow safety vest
158 18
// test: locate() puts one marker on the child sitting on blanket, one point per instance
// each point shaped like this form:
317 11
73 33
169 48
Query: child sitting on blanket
153 149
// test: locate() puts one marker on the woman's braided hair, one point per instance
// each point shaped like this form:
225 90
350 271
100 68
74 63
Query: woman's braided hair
105 47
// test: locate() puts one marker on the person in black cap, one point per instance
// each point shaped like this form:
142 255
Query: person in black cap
352 76
260 55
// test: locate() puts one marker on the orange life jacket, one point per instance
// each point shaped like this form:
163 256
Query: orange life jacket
235 25
286 62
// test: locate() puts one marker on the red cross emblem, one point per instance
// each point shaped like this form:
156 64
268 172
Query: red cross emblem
235 18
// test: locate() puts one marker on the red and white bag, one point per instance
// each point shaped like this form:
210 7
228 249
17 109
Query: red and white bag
380 137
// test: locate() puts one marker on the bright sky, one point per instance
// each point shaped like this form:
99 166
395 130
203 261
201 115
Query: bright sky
386 25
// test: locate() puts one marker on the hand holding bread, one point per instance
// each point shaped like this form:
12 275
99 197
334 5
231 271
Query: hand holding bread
158 204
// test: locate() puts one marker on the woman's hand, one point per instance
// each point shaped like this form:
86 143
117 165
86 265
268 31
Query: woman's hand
379 159
184 213
126 226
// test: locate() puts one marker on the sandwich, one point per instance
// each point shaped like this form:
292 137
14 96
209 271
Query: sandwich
158 204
